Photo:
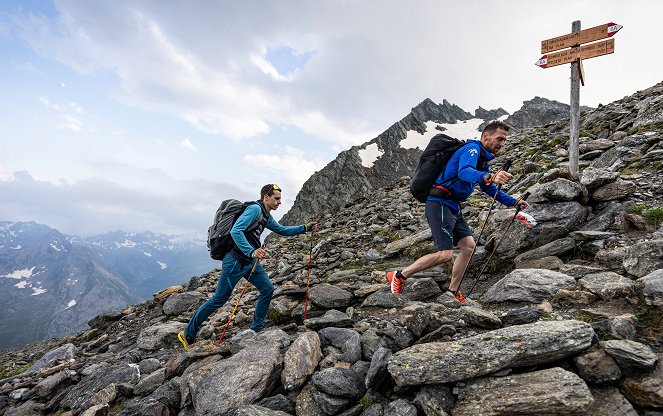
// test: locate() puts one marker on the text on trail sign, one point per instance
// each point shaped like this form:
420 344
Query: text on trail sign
583 52
576 38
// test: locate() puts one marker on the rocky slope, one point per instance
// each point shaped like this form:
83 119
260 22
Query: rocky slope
569 320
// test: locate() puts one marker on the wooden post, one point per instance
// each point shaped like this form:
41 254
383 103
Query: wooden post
575 112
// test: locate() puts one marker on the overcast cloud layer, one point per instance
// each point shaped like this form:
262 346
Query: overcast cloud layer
152 112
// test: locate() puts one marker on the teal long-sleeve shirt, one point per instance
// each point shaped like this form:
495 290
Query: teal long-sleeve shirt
250 216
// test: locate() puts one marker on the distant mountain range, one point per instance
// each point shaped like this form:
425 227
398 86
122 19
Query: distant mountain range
52 284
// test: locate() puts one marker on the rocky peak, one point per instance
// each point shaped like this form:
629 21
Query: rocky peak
490 115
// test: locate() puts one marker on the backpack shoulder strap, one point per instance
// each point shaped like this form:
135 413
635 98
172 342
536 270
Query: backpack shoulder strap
261 216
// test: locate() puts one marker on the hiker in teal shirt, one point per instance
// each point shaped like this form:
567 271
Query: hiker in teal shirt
239 261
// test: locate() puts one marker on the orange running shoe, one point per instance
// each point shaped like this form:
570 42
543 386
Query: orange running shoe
396 282
460 298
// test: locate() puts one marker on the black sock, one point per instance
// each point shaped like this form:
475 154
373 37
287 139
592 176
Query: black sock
400 275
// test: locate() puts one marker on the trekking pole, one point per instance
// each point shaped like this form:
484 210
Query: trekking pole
232 315
505 168
308 280
485 265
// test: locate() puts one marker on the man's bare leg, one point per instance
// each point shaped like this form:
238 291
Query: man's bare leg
426 262
466 245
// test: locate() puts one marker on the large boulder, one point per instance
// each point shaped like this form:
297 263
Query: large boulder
300 360
540 224
220 387
528 285
552 391
120 377
607 285
516 346
558 190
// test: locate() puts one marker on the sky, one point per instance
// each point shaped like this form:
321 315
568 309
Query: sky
145 114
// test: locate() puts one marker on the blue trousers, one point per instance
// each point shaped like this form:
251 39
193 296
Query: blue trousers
232 271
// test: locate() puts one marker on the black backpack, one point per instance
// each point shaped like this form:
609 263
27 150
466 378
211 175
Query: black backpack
219 241
432 162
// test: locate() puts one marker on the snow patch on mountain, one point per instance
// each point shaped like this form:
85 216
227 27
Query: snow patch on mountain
462 130
370 154
19 274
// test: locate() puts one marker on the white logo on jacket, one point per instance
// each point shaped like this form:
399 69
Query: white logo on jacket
473 152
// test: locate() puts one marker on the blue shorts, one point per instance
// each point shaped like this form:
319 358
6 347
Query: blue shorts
448 228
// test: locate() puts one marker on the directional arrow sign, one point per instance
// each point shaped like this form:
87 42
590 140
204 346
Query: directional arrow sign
583 52
584 36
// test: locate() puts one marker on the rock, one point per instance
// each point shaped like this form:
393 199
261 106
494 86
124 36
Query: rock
400 407
179 303
399 245
528 285
305 404
596 366
653 287
149 365
339 382
104 319
255 410
220 387
607 285
346 340
630 354
644 257
616 190
551 391
377 372
63 353
160 336
54 383
330 404
434 400
384 299
300 360
593 178
516 346
558 190
421 288
524 315
330 318
553 221
278 402
553 248
329 297
165 400
608 401
123 375
151 382
646 390
617 327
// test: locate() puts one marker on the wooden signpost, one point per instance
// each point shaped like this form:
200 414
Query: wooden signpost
574 55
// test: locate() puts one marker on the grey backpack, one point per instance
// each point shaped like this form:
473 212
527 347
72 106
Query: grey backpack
219 241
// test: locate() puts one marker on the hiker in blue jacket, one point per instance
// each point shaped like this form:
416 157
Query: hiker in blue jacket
467 167
238 262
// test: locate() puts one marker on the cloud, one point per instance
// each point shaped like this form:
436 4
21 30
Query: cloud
96 205
295 166
70 114
187 144
5 176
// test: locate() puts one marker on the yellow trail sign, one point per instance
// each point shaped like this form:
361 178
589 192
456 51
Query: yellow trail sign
576 38
583 52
